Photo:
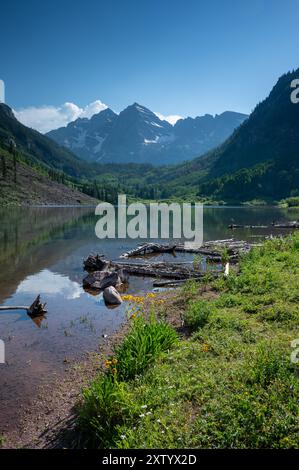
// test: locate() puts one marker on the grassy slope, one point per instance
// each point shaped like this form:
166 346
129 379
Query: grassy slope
229 384
33 187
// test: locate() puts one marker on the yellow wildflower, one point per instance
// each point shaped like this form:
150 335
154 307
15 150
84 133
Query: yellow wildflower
151 295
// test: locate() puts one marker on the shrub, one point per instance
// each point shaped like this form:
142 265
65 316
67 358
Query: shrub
145 342
267 365
198 313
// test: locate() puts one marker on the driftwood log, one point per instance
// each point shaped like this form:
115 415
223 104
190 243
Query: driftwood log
212 250
149 248
179 271
36 308
163 270
289 225
96 263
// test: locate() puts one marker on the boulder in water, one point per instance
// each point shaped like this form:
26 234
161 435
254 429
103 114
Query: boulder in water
101 279
111 296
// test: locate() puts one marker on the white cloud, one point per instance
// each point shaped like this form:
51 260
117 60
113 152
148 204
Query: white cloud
172 118
47 282
46 118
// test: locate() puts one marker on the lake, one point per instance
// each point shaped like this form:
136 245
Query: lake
42 252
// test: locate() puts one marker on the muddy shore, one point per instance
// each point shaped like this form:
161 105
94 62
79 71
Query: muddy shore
48 420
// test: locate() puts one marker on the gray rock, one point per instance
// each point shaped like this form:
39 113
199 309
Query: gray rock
101 279
111 296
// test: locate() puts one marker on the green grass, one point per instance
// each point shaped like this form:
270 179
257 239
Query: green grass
109 403
231 384
142 346
290 202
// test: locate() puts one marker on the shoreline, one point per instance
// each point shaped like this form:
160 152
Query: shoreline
42 422
147 202
49 421
233 349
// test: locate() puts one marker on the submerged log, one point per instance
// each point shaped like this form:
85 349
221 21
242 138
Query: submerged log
36 308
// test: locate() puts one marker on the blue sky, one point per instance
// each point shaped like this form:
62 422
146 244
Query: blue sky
185 57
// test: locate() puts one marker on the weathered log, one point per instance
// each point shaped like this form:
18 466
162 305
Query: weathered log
35 309
95 263
149 248
290 225
163 270
235 226
211 248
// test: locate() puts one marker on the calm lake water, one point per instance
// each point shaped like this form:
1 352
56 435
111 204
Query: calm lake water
41 252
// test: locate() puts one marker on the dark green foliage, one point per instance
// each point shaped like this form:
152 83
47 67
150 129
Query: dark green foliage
142 346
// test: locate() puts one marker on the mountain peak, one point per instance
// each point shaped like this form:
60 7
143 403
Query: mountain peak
137 107
5 110
139 135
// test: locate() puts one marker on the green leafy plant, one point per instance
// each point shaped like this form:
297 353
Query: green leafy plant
146 341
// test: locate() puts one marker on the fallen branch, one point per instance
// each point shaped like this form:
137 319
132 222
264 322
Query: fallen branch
35 309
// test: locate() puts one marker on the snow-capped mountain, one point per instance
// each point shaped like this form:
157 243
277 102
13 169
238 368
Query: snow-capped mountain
85 136
138 135
135 135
